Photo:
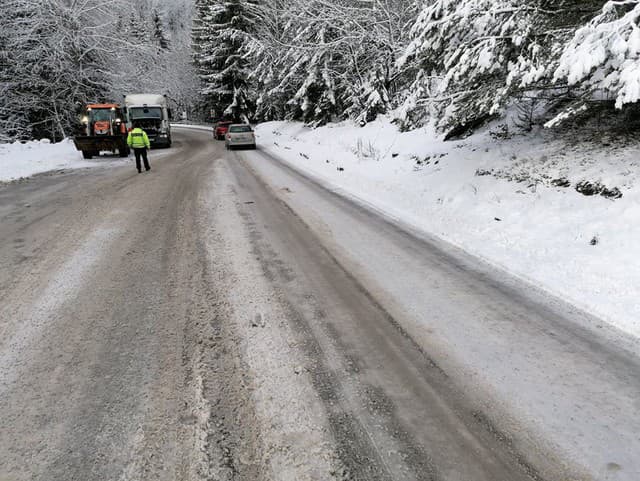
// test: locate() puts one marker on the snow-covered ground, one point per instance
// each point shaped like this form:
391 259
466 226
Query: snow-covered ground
511 202
20 160
25 159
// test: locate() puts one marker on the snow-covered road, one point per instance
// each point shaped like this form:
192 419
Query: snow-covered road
223 317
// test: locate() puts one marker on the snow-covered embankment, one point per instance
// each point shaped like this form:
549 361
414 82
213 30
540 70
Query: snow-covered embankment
515 203
19 160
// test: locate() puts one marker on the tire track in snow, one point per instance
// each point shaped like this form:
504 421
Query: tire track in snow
31 323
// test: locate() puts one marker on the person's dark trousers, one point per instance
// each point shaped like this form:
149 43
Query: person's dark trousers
141 153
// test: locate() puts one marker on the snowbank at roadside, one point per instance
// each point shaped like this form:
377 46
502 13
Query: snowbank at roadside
178 125
515 202
25 159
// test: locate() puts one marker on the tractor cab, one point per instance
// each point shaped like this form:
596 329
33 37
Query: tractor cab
104 119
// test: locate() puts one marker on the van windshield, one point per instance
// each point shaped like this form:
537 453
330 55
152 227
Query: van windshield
145 113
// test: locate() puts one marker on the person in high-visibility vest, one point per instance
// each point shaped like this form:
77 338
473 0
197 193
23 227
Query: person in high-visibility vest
139 142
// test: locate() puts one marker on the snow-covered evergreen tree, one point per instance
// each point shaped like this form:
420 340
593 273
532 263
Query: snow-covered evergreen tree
312 68
603 58
221 36
475 54
467 47
325 59
380 30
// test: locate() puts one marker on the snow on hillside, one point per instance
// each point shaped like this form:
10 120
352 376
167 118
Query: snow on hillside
19 160
514 203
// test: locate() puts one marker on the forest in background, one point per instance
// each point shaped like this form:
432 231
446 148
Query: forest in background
57 55
455 64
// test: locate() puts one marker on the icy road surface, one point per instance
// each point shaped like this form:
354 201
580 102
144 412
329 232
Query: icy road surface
224 318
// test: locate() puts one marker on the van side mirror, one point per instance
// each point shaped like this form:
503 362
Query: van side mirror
170 114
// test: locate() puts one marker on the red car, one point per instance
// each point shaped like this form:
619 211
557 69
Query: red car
220 129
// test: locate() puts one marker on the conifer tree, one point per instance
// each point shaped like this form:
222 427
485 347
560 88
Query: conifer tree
221 37
603 59
475 54
320 60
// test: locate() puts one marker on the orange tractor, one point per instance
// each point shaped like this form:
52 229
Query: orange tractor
104 128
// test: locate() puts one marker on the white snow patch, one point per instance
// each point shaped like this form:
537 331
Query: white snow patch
208 128
514 218
19 160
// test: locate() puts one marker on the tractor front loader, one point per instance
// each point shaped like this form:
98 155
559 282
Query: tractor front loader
104 129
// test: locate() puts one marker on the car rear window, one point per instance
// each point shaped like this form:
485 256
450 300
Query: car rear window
240 128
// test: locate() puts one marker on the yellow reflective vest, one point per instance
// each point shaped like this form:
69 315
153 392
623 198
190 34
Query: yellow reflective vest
138 139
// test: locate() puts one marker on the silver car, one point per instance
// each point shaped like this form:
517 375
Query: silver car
240 135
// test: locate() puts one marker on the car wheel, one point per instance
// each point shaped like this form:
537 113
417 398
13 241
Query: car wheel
253 147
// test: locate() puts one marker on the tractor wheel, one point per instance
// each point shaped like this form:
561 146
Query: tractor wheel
123 151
